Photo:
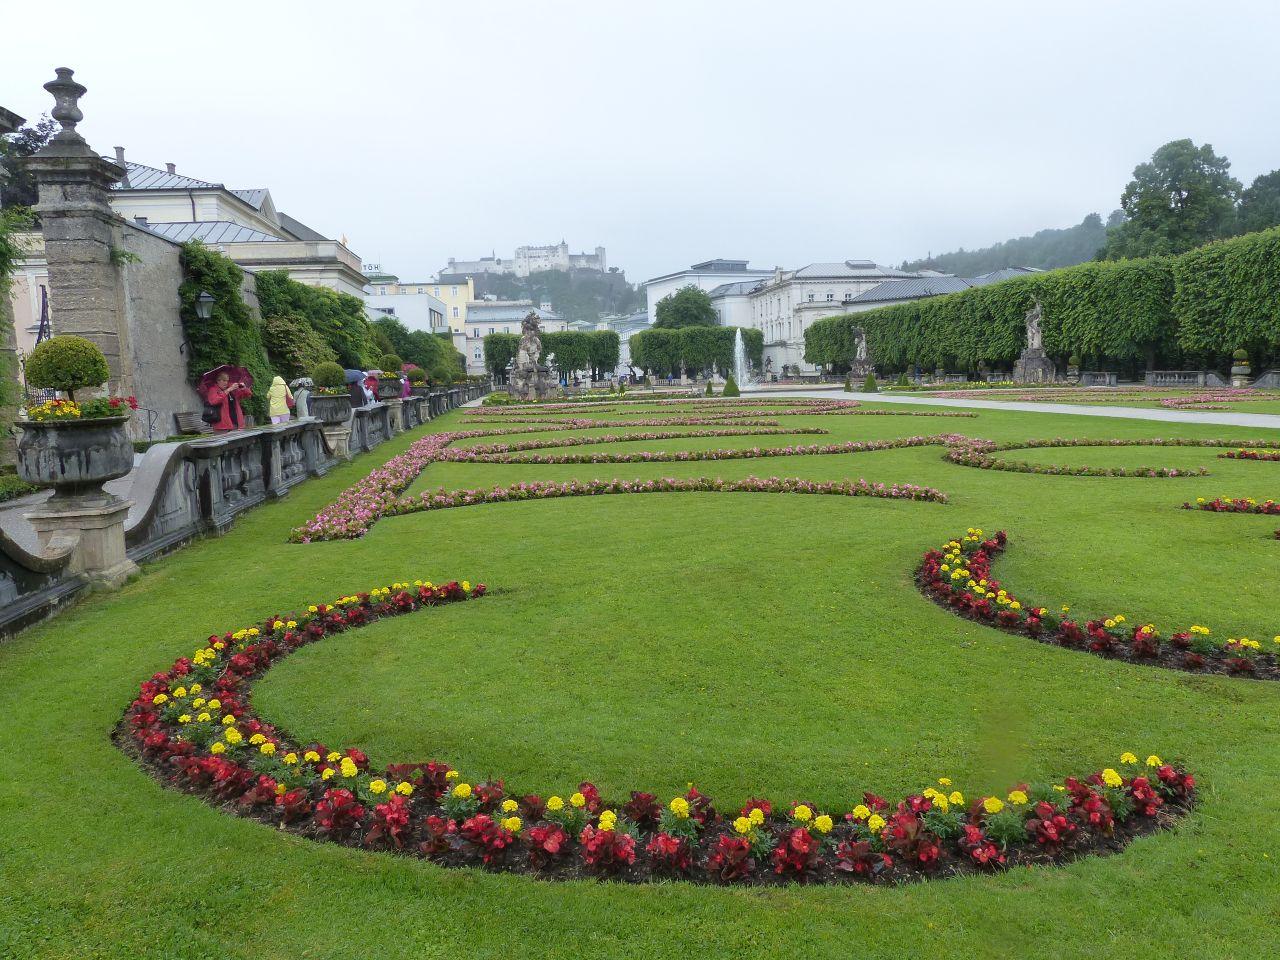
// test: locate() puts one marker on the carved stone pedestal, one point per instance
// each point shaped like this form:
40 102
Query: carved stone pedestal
338 440
1034 367
396 415
92 528
532 383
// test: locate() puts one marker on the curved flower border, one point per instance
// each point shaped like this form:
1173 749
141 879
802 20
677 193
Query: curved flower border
958 576
194 728
1251 454
981 454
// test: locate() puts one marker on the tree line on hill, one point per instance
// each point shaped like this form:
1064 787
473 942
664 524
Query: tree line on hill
577 294
1181 198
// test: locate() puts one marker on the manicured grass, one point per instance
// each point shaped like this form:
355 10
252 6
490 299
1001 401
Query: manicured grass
756 645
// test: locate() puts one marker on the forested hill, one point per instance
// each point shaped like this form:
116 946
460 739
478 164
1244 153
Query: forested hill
1046 249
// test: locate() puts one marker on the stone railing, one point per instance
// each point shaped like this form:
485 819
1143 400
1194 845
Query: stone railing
1267 380
181 491
1184 378
1097 378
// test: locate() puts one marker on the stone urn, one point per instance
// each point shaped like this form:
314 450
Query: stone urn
1240 373
389 389
420 390
74 457
330 408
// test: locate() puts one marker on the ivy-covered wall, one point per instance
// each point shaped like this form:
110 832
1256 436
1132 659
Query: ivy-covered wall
1194 309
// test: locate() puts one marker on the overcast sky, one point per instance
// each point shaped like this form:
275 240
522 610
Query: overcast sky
668 132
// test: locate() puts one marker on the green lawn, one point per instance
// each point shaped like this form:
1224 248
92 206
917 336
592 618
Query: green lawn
752 644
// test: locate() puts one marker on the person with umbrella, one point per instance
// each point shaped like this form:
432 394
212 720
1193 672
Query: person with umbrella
223 388
355 386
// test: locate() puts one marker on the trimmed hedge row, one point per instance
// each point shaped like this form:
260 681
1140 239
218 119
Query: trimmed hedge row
667 351
1194 309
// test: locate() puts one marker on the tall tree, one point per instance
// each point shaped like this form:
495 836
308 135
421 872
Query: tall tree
17 186
687 307
1260 203
1183 197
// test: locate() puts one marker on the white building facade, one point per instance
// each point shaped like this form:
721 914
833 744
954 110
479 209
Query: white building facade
413 304
707 276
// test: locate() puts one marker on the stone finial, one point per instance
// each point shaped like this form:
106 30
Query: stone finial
66 94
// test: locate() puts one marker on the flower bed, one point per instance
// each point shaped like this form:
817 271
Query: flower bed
193 727
487 455
1247 454
958 576
982 454
1232 505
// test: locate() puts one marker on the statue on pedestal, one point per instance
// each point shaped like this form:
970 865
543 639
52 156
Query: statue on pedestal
530 380
1033 366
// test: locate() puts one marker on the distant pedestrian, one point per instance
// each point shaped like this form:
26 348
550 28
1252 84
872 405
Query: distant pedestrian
279 401
301 389
223 396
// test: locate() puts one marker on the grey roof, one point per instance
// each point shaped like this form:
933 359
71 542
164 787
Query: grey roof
298 228
505 311
149 178
253 198
995 276
849 269
915 288
738 288
210 231
718 265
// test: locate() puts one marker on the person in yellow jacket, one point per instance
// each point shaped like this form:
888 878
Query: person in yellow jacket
279 401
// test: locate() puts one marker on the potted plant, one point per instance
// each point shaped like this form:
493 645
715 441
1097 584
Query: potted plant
418 382
390 386
330 401
1239 369
70 445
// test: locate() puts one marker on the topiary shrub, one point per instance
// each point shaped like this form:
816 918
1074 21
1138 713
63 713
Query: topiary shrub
622 388
329 375
1073 360
1240 356
709 391
902 380
391 364
731 388
417 375
869 385
67 364
848 384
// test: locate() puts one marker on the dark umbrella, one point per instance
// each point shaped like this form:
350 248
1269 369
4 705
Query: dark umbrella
236 374
354 376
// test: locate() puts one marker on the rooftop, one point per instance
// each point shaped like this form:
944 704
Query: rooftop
210 231
142 177
849 269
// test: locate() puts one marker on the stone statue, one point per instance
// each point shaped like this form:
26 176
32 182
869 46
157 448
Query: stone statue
1034 340
530 343
861 356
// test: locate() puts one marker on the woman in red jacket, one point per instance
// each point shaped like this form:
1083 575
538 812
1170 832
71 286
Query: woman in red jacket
225 396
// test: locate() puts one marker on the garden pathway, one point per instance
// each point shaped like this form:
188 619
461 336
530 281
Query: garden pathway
1228 418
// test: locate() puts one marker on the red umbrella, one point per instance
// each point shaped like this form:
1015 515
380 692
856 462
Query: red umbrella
236 375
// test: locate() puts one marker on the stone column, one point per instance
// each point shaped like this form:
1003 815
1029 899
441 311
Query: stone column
397 424
80 233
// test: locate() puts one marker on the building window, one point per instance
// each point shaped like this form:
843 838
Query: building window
453 291
830 297
435 291
477 354
811 298
419 289
455 313
491 330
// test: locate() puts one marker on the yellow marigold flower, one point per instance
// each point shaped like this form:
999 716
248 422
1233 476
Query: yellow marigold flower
313 609
1127 757
945 781
327 773
1119 618
956 798
219 645
993 804
1060 788
1015 605
159 699
451 775
185 718
756 816
253 631
1108 623
1153 761
228 720
291 624
291 758
218 747
203 718
578 800
512 824
861 812
311 756
214 704
348 768
1018 798
608 820
742 825
267 749
680 807
802 813
1111 778
462 791
333 756
233 735
404 788
377 786
197 703
823 823
466 586
180 692
554 804
277 625
510 806
257 738
875 823
281 789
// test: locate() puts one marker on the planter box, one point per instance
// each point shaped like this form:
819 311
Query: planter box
74 455
390 389
331 409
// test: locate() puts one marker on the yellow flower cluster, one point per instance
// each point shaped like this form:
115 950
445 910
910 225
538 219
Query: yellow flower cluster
510 806
992 804
875 823
555 804
1111 778
680 807
462 791
608 820
802 813
348 768
513 824
578 800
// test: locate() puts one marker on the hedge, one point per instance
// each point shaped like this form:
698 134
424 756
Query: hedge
667 351
594 350
338 318
1160 311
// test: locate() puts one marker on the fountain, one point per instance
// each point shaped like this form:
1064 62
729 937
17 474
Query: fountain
740 368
